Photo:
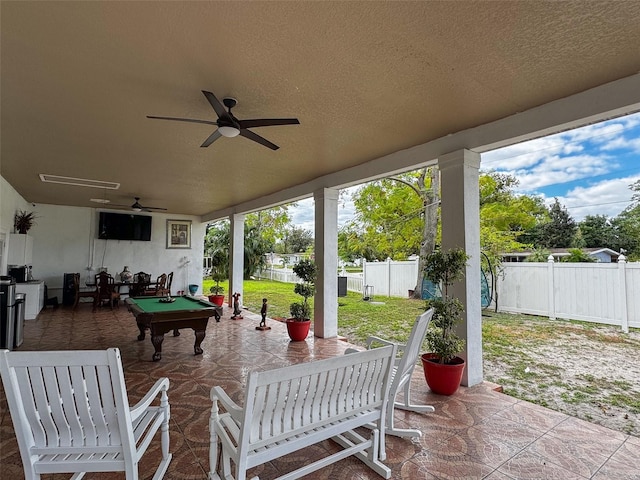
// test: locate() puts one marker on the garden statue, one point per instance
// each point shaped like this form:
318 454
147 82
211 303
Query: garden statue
237 313
263 313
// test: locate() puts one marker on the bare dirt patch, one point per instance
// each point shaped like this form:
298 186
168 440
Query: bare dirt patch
586 370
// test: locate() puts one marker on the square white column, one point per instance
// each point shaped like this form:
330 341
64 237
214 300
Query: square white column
459 174
236 257
325 305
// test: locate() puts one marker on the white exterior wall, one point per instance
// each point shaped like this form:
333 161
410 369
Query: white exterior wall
65 241
10 202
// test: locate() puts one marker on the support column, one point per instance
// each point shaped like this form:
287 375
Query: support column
460 210
236 257
325 305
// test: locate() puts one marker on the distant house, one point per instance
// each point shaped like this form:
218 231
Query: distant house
602 255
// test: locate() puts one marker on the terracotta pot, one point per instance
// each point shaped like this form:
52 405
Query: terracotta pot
298 330
216 299
442 379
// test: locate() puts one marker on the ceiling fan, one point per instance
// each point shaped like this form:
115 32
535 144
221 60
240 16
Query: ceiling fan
229 126
137 207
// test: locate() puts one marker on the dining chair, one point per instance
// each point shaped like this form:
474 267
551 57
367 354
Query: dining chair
106 290
159 288
139 285
80 293
71 413
169 282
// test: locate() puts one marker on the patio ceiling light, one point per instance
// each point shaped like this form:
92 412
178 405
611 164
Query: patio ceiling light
228 131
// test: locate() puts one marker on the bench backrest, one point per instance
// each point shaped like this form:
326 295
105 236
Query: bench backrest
298 398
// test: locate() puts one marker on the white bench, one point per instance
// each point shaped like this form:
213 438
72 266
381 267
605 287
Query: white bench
290 408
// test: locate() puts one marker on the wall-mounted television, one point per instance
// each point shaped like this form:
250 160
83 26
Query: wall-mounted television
124 226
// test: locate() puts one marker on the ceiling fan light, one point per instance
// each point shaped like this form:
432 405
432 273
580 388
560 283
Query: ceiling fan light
136 209
227 131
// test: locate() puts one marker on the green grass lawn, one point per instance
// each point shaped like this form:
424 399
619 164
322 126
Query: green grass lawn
391 318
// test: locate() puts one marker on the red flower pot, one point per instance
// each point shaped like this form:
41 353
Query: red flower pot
216 299
298 330
443 379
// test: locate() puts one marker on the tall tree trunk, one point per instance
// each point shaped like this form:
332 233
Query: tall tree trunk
431 202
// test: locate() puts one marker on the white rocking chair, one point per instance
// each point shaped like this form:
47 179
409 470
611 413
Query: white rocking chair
402 373
71 414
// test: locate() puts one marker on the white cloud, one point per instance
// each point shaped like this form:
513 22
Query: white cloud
583 153
608 197
556 170
303 215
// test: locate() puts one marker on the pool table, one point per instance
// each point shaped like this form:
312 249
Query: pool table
161 317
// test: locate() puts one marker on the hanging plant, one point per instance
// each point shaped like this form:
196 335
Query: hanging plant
23 221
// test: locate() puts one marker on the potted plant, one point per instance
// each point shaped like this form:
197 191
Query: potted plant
23 221
218 273
300 322
443 369
216 297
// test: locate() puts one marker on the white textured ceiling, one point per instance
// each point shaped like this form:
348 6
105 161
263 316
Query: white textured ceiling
365 79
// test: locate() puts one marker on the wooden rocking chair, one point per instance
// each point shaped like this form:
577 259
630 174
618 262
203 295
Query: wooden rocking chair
403 370
71 414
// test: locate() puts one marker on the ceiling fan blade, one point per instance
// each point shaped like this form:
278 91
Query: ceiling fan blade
212 138
148 209
257 138
190 120
215 103
267 122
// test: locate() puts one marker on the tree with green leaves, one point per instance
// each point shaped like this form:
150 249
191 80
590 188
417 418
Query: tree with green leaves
627 226
395 218
272 223
597 231
505 217
295 240
577 255
218 243
559 232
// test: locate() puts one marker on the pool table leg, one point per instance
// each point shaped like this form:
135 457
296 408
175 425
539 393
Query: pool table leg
141 327
199 337
157 340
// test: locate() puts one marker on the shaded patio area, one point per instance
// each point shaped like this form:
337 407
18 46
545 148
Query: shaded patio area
477 433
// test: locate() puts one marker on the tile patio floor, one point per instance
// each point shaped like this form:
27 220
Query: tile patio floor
477 433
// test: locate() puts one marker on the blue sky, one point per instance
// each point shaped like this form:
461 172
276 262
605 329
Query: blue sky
588 169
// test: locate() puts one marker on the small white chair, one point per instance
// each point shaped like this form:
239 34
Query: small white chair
71 414
402 372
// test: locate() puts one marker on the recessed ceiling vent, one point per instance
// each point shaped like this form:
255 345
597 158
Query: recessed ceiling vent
80 182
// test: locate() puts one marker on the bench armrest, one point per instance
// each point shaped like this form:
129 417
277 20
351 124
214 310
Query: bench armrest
219 395
161 385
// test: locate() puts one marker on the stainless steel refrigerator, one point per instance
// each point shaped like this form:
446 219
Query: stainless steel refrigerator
7 311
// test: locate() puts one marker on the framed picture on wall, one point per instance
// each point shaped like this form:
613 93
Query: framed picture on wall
178 233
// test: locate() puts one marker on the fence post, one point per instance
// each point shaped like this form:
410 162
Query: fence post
364 275
552 300
622 292
388 276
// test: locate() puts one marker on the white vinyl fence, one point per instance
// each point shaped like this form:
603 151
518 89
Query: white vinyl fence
387 279
606 293
391 279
